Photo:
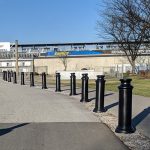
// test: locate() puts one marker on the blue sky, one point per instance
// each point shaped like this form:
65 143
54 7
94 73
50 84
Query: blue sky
49 21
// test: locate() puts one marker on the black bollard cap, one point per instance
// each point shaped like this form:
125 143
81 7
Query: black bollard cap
85 74
100 76
125 83
43 73
72 74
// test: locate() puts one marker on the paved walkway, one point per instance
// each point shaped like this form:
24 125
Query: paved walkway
140 110
140 107
24 104
36 119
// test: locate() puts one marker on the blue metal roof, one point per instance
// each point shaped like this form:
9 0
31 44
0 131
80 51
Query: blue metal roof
50 53
85 52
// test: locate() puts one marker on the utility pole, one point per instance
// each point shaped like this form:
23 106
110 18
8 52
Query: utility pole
33 68
16 50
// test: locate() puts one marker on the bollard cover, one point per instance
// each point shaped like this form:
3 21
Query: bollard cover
125 84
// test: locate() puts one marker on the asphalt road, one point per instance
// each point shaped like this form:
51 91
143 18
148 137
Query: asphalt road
58 136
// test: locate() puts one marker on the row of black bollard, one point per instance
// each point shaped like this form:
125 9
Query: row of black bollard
125 95
31 79
125 101
7 76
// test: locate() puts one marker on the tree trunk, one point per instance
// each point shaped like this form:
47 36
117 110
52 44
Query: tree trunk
65 67
133 66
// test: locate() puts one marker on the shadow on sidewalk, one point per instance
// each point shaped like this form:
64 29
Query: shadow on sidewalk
108 94
93 98
67 89
88 92
111 105
62 85
141 116
7 130
91 91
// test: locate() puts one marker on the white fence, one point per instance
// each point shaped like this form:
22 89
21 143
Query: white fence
91 74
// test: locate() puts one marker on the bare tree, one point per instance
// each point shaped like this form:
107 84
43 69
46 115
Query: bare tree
127 23
143 60
64 59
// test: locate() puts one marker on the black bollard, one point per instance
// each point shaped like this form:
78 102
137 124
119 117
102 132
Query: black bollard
14 78
44 81
11 73
22 78
125 107
72 84
31 79
9 76
4 75
100 90
58 87
84 95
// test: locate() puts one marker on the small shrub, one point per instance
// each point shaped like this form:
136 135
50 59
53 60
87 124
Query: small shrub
126 75
35 73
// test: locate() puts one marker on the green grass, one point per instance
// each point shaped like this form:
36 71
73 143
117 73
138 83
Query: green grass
141 85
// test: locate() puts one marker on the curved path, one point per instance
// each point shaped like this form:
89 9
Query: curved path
36 119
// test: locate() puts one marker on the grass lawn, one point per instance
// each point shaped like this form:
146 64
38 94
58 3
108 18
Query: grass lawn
141 85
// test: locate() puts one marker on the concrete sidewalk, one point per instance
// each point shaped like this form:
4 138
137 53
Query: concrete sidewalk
140 107
54 121
24 104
